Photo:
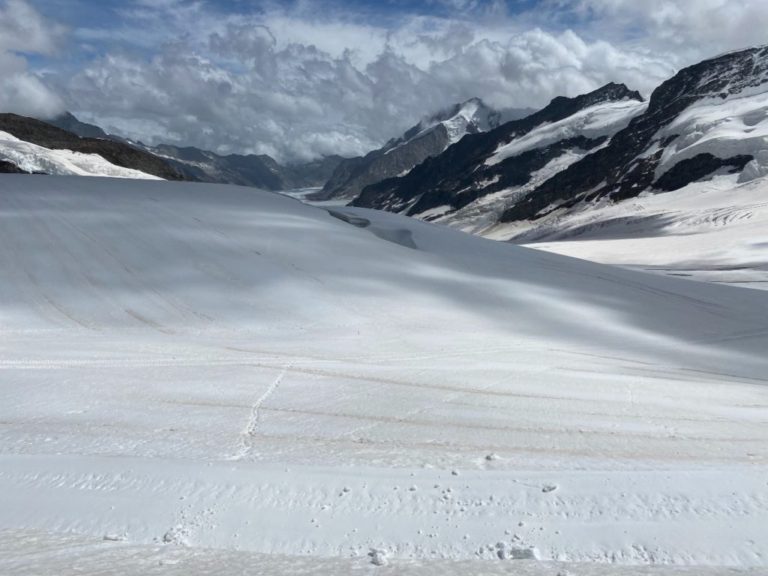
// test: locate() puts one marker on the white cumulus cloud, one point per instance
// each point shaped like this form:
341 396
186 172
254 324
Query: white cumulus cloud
24 31
309 78
297 85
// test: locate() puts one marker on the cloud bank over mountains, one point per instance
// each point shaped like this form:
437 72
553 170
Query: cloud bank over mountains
303 79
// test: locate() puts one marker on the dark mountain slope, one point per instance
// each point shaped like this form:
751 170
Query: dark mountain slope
461 174
628 165
48 136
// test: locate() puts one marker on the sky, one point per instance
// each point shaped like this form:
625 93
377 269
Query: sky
302 79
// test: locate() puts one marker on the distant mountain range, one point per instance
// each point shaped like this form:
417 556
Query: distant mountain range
66 132
508 157
608 145
430 137
106 155
260 171
481 170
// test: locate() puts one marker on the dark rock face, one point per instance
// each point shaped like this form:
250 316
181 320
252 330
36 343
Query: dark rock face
43 134
260 171
620 170
357 173
10 168
460 175
472 183
205 166
696 168
425 140
68 122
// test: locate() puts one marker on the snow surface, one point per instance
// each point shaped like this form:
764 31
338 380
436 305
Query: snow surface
200 377
600 120
33 158
715 231
724 128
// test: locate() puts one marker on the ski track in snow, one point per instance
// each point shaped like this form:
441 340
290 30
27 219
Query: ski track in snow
252 426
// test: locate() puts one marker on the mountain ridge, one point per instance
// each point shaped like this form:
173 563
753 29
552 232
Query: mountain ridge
428 138
459 175
583 180
48 136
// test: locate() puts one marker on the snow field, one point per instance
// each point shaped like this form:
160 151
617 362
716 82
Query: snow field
217 374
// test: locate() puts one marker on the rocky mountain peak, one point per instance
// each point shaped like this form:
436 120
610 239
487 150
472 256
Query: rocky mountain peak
632 161
719 77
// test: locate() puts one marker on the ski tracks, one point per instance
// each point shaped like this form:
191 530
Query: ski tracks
251 429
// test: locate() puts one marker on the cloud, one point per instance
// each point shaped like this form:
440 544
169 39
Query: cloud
24 31
302 79
686 28
297 85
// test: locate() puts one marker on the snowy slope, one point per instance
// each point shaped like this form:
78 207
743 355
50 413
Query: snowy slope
595 122
715 231
736 125
604 119
33 158
706 119
192 370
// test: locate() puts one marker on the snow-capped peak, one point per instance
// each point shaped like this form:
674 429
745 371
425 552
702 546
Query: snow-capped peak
469 117
472 116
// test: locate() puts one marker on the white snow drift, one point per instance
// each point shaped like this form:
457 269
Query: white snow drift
189 371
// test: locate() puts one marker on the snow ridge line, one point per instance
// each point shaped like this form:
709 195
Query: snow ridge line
252 426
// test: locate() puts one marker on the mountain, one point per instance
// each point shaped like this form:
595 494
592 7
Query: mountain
260 171
36 146
508 159
709 117
67 121
169 161
23 157
553 174
428 138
